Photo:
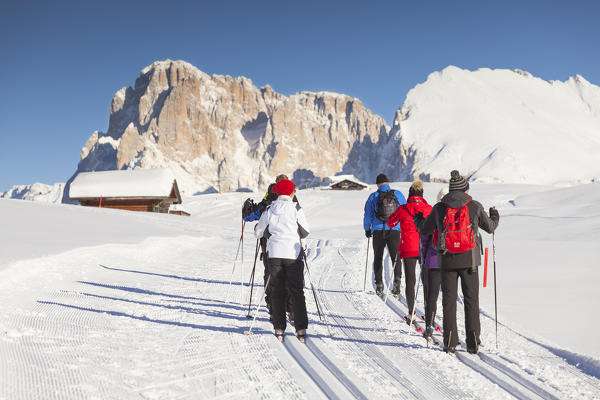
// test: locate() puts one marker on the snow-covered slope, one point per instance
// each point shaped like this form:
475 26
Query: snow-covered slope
99 303
36 192
501 126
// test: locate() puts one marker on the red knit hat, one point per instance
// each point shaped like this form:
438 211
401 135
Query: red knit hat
284 187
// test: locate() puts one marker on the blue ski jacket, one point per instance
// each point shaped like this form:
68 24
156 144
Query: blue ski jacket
370 221
254 216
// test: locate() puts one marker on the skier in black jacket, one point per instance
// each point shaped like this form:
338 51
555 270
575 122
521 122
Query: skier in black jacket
463 265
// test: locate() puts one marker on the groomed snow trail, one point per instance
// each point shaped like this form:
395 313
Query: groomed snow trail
378 348
141 325
159 319
504 371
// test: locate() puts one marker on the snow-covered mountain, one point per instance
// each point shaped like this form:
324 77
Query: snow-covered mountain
223 133
217 132
36 192
500 126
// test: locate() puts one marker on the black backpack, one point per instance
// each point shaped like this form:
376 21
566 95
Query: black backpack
387 204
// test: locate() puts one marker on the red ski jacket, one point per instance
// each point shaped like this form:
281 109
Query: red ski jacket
409 237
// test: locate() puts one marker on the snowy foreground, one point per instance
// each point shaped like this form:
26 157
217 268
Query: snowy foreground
98 303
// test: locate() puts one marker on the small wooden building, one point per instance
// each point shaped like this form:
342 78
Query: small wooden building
176 209
150 190
347 184
180 212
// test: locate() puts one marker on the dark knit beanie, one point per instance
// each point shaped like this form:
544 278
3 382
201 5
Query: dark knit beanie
381 178
457 182
416 189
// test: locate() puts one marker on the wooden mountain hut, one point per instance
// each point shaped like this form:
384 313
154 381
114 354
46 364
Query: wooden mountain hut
150 190
347 184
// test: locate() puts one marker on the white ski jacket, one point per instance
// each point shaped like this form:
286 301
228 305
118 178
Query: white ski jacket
283 224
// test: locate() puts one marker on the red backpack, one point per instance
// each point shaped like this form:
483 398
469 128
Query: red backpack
457 236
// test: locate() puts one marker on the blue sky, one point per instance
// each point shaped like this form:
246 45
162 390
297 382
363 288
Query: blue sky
61 62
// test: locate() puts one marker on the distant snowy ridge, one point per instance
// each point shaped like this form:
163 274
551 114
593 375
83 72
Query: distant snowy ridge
218 133
36 192
500 126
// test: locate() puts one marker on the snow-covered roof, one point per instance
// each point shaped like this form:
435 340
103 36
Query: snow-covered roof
338 178
155 183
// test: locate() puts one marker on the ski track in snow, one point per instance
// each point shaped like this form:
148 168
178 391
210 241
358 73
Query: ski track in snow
161 320
419 377
522 383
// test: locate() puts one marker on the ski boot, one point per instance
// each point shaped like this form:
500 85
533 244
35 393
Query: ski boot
396 289
428 334
408 319
279 335
301 335
473 348
379 289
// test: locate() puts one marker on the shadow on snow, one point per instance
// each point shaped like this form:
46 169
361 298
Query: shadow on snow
146 319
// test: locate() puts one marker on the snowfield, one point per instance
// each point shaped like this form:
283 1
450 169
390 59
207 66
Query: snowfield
501 126
108 304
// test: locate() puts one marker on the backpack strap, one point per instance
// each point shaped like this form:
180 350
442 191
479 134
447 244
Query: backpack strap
416 201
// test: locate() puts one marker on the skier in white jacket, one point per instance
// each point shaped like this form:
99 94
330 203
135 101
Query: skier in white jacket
283 224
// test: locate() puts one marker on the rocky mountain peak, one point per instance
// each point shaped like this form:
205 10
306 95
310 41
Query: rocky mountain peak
222 133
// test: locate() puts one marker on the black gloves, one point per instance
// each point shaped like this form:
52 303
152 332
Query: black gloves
368 233
494 215
248 207
262 205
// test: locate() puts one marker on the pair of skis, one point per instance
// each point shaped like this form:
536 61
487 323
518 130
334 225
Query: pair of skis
281 338
416 323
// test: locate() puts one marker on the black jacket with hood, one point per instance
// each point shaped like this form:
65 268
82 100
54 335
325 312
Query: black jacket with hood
479 219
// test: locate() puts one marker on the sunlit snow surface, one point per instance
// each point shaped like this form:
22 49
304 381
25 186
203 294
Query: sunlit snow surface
99 303
502 126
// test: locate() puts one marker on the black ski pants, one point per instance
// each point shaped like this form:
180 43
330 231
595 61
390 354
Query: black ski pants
469 282
432 280
410 276
381 239
291 271
264 258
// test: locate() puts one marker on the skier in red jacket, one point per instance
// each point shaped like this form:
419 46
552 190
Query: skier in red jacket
408 249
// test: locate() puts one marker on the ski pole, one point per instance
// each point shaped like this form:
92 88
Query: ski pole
495 295
249 331
321 317
237 253
388 281
252 278
366 264
242 267
412 312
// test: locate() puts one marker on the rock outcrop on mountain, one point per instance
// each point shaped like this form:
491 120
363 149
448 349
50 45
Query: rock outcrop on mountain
222 133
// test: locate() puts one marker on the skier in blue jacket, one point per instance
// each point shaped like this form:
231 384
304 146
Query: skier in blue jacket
378 208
